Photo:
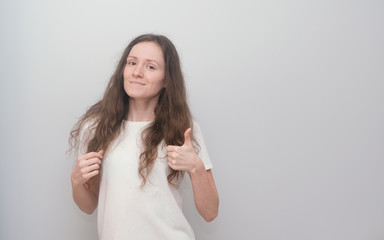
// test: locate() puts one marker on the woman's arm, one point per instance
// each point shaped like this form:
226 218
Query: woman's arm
184 158
87 166
85 199
205 193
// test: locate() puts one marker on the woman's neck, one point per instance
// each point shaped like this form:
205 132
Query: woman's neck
141 110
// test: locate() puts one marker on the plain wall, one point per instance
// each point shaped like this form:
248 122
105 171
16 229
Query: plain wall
289 95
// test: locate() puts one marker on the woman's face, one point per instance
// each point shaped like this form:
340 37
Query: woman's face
144 72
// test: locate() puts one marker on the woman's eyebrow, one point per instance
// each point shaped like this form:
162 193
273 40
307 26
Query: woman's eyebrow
152 60
147 59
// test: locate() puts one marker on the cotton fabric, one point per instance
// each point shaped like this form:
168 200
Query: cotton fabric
128 211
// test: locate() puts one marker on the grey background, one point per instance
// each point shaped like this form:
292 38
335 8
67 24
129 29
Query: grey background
289 95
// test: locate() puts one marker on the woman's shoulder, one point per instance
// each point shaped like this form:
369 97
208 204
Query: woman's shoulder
88 124
196 126
87 129
197 132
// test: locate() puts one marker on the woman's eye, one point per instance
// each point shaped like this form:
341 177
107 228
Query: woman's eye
131 63
151 67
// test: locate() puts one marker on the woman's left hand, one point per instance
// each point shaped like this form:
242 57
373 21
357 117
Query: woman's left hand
184 158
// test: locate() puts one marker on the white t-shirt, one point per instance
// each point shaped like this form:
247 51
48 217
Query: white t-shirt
126 210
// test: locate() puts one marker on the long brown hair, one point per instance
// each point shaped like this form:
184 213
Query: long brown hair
172 114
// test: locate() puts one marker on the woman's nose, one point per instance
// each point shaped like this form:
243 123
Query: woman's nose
138 71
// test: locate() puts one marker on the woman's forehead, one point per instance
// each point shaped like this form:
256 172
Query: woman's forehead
147 51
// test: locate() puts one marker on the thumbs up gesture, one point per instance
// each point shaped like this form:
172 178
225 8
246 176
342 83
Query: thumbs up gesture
184 158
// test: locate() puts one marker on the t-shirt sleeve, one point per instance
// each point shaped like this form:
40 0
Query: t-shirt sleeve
84 137
202 153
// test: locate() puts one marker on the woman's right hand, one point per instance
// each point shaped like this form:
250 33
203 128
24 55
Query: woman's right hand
87 166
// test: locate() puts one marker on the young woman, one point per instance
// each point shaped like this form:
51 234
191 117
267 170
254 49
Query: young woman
135 146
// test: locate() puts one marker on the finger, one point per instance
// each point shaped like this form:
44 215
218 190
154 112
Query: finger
93 161
88 162
187 138
174 166
92 168
171 165
91 155
171 148
172 156
91 174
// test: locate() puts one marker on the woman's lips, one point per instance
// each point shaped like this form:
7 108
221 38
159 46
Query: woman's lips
137 83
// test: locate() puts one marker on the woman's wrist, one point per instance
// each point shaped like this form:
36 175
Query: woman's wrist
198 168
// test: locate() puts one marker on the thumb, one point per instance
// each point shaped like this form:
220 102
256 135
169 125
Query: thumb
187 138
101 152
